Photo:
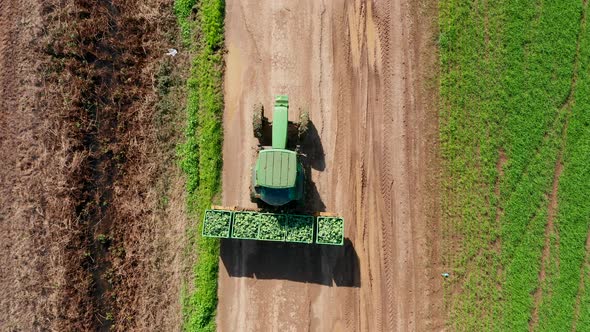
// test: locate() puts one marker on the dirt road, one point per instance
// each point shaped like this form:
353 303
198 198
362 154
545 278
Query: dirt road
362 69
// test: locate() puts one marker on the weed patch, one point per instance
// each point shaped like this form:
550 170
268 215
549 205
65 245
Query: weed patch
200 155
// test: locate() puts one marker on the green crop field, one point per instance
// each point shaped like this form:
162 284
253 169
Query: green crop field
515 145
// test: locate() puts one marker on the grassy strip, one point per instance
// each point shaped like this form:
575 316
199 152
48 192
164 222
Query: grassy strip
507 69
200 155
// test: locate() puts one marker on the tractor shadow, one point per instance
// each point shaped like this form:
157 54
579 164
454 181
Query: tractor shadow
308 263
313 200
310 146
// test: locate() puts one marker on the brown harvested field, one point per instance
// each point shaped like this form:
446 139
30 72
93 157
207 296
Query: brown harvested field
91 208
365 71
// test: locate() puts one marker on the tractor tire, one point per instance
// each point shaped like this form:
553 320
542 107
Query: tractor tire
254 197
303 124
258 120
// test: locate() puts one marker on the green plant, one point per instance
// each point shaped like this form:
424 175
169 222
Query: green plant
119 252
330 230
299 229
303 123
183 9
217 223
164 81
103 239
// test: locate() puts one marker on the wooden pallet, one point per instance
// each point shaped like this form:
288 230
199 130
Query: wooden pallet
233 208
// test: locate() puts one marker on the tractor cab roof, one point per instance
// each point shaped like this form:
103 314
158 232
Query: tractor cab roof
276 168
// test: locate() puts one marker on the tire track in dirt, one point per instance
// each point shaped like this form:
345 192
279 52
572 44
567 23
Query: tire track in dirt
386 176
357 65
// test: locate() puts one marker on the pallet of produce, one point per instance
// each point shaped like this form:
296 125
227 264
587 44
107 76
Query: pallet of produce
330 230
246 225
299 228
217 223
272 227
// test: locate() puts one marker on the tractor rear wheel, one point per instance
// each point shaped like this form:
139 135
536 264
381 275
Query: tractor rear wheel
252 196
258 120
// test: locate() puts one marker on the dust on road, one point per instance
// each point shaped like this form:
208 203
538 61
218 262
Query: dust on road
362 70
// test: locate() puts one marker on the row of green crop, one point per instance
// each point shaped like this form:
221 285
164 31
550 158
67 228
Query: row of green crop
563 297
273 227
506 118
469 147
543 87
200 154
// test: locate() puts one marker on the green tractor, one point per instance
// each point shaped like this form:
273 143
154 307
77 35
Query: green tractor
278 176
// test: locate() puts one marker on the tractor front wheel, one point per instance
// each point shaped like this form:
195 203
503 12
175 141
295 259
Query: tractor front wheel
303 124
258 120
